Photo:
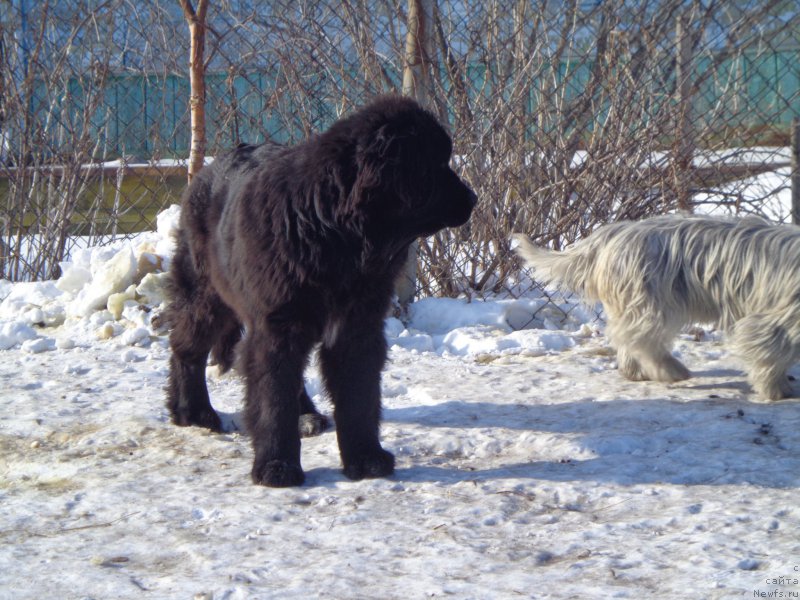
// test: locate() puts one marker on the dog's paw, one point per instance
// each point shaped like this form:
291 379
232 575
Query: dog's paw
632 371
376 464
628 366
771 391
669 370
311 424
277 473
207 418
666 369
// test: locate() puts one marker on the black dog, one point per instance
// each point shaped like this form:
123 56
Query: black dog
299 245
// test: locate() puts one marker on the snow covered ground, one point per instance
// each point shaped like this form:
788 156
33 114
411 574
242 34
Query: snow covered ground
526 466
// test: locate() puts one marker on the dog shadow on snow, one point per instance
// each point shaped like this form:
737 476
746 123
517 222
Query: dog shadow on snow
710 441
722 439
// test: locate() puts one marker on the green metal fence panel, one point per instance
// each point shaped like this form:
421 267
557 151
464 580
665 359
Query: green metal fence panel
147 116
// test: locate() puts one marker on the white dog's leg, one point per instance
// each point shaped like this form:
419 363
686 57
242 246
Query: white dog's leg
769 345
665 367
642 349
628 366
641 363
769 387
769 380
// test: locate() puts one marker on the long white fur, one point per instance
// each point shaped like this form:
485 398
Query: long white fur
657 275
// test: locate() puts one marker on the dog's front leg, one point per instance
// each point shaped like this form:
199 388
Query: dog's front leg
351 366
274 363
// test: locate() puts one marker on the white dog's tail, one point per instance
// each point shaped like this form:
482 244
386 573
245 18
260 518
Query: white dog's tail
569 268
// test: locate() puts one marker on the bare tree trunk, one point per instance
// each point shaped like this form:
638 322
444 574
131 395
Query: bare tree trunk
419 51
796 171
416 84
197 82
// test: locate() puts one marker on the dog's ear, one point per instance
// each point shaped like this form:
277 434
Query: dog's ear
372 157
375 151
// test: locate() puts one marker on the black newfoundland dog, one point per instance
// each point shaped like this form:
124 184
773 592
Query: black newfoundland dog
293 246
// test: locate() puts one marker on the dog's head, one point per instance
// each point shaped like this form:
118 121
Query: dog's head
402 182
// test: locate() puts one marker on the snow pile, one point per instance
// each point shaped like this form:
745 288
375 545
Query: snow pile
527 326
108 290
112 292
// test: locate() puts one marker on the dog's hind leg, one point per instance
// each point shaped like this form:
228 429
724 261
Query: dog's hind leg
769 382
768 344
223 351
197 319
311 421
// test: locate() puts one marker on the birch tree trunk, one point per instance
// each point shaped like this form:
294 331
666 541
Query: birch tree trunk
416 84
197 82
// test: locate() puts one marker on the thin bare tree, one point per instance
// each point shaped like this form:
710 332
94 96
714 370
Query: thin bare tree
196 18
416 84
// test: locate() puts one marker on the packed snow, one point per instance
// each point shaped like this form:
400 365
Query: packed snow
526 466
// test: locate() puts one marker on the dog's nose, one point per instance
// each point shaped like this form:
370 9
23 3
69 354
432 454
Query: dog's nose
473 198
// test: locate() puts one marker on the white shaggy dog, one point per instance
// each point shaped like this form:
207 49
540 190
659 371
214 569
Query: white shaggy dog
657 275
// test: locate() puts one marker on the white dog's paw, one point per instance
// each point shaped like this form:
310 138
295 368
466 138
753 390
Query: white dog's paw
772 390
629 367
665 368
670 369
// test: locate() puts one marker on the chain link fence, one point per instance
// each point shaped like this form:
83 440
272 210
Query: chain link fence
565 115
